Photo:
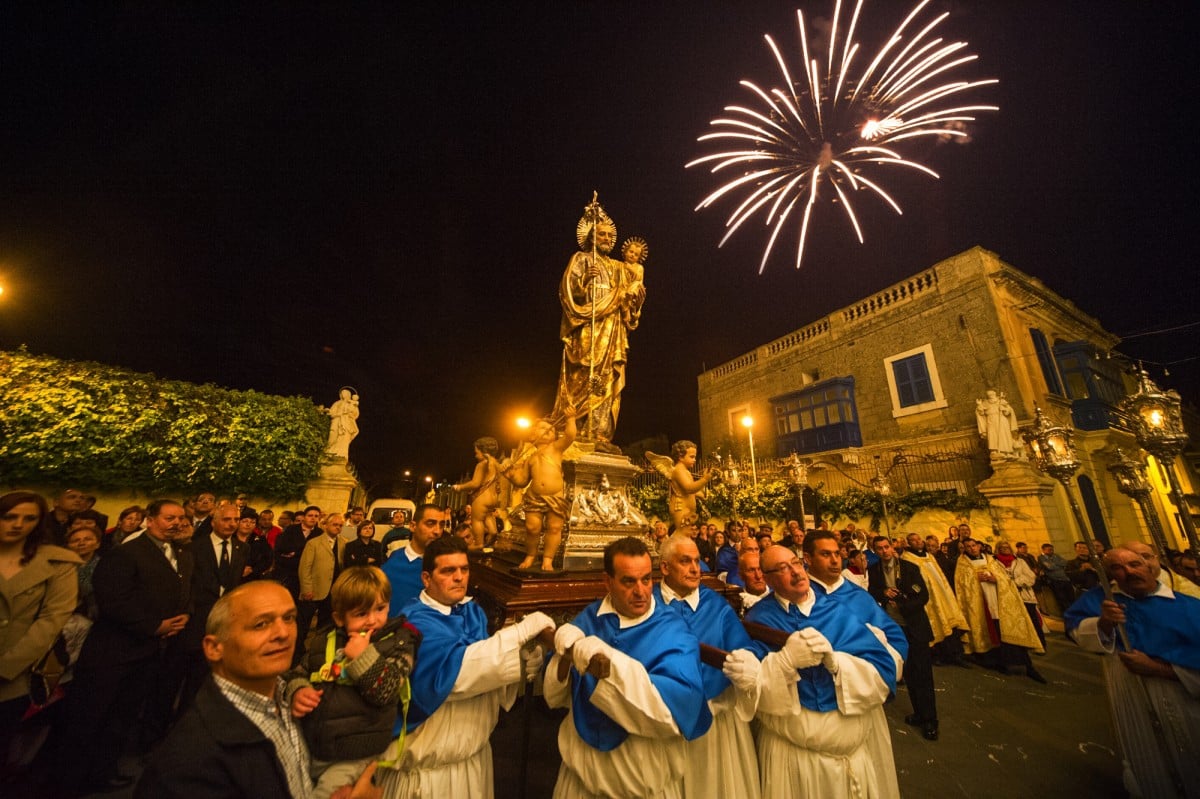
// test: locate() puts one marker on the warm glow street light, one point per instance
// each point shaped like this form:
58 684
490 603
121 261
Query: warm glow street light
1131 481
524 423
748 423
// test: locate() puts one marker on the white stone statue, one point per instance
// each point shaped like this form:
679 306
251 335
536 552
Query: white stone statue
343 426
997 425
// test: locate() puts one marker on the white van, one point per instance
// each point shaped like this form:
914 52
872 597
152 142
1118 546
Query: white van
381 510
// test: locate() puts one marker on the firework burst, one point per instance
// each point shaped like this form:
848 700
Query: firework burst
841 126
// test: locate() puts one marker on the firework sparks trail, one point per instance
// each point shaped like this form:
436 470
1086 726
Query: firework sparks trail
839 127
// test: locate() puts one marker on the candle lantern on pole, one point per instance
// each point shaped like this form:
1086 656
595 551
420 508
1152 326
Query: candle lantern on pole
1157 422
1131 481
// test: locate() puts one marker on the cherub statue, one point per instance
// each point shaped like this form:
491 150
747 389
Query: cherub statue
682 486
539 470
484 486
634 252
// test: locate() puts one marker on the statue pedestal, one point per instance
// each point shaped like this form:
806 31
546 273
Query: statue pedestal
1022 503
333 488
597 488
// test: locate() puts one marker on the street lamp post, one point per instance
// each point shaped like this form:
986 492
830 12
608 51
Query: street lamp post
1131 481
1054 453
748 423
1158 424
798 472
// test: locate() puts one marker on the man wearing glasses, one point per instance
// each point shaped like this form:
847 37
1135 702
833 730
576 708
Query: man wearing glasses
823 732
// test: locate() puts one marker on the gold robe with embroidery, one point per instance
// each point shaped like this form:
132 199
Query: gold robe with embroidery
1015 626
942 608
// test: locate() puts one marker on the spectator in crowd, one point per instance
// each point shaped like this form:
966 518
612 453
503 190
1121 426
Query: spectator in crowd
267 528
365 550
716 762
856 571
748 544
1177 584
399 532
89 504
286 519
403 567
84 542
69 502
143 593
726 556
1054 570
658 534
625 731
1186 566
1021 549
1080 571
38 592
129 521
1024 578
323 559
752 577
202 508
183 535
795 538
1163 655
703 539
462 678
899 587
1000 633
288 548
354 517
238 740
259 556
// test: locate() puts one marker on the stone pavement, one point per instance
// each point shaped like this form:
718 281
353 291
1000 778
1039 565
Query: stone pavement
1001 736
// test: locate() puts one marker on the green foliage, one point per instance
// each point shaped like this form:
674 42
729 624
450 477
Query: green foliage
858 504
651 499
102 427
768 502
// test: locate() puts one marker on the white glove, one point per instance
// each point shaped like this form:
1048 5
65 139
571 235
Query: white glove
531 625
584 649
741 667
798 653
565 637
531 661
817 642
830 662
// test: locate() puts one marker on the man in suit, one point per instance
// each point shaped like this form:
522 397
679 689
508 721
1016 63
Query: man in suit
322 561
143 592
203 505
219 559
899 588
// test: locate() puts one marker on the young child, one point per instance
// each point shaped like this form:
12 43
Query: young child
353 680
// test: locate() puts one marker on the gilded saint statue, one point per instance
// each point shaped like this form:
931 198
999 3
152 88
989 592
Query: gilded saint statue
602 301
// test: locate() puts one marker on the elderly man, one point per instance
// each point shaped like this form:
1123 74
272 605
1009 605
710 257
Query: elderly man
899 588
1179 585
239 737
946 620
1163 629
999 630
751 573
721 762
461 679
823 730
749 544
403 567
626 732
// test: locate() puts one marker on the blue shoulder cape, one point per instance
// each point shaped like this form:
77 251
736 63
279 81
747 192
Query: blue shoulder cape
713 623
671 655
444 640
1167 629
405 577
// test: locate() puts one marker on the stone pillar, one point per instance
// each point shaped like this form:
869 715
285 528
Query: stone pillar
1023 505
333 489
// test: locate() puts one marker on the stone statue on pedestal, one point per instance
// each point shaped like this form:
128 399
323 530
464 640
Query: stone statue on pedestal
997 426
344 424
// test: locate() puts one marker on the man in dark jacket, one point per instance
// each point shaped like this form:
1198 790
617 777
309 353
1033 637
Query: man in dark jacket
239 739
899 588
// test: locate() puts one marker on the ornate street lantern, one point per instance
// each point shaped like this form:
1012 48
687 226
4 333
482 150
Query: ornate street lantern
880 483
1054 453
1131 481
797 472
1158 424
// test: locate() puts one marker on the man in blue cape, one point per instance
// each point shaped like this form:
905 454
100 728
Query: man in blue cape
403 566
461 679
823 732
626 731
1164 656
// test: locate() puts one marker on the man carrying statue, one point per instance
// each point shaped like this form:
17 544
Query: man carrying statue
601 300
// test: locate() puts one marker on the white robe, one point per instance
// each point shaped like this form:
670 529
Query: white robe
648 764
842 754
722 764
449 755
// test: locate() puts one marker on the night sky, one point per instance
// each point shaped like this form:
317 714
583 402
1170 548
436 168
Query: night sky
293 197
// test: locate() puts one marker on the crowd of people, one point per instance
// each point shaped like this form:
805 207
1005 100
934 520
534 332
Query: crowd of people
247 653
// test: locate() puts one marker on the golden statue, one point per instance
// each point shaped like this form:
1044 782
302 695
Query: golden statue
538 469
602 301
682 485
484 486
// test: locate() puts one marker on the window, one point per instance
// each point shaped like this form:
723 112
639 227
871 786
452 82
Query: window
913 382
817 418
1046 360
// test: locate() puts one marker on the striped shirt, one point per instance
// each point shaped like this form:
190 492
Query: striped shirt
272 718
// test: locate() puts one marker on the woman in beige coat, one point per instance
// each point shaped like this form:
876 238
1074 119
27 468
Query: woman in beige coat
38 592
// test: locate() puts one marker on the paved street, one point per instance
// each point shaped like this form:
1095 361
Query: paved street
1000 736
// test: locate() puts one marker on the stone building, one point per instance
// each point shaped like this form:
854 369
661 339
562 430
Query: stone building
894 379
